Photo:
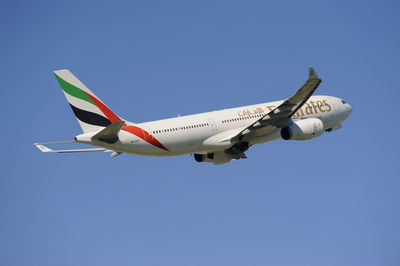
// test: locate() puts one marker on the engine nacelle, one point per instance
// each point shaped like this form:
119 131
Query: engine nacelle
303 129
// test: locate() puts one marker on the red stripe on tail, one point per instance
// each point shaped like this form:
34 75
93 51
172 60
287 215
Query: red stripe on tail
106 111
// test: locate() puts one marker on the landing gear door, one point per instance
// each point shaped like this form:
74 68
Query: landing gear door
212 124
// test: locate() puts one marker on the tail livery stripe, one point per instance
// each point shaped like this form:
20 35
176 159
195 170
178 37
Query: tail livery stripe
90 118
73 91
106 111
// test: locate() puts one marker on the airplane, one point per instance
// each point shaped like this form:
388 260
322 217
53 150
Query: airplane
218 136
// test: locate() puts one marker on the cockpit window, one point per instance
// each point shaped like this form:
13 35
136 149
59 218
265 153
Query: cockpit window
343 101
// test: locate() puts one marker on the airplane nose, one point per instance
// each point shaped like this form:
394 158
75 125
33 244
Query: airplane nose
348 110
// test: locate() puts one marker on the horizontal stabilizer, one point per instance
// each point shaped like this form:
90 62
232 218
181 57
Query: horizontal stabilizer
57 142
110 133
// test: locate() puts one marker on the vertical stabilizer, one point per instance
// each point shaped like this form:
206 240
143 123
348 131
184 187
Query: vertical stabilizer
91 112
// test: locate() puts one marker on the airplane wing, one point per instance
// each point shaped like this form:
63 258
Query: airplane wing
43 148
281 115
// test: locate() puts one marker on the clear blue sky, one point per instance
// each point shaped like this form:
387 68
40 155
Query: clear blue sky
329 201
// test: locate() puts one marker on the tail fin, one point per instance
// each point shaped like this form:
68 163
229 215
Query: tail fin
91 112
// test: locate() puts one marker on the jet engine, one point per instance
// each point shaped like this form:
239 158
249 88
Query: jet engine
303 129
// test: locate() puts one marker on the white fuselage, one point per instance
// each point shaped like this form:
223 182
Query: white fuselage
202 133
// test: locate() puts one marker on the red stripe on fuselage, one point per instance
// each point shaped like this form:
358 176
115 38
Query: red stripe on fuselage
137 131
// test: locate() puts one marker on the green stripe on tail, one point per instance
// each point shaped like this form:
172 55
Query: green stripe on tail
73 91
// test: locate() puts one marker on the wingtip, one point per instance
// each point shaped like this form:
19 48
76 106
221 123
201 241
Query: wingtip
312 74
42 148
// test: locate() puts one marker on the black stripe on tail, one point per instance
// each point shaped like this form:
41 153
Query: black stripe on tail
90 118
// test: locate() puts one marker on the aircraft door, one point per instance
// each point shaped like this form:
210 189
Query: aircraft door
212 124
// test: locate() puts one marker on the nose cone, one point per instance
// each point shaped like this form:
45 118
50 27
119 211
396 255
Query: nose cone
347 110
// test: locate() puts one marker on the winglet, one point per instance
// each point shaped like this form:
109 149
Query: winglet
312 74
